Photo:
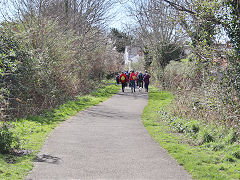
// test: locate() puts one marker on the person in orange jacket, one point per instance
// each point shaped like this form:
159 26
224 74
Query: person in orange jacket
132 79
123 80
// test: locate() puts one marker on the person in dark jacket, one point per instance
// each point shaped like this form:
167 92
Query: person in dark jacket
140 80
117 78
144 73
146 81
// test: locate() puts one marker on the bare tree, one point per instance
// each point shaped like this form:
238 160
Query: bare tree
160 34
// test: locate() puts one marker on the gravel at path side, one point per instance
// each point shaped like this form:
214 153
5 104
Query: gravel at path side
106 142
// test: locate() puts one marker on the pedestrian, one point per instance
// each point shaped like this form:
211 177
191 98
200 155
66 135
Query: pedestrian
129 78
144 73
137 78
128 75
123 80
146 81
140 80
132 79
117 78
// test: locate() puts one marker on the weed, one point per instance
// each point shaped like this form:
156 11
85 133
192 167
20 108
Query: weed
218 147
195 128
231 137
207 137
236 154
229 158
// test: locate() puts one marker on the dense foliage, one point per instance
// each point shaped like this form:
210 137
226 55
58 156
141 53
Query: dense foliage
16 71
232 22
120 40
7 140
167 52
232 26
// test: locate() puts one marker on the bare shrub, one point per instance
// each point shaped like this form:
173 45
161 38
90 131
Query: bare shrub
67 52
209 97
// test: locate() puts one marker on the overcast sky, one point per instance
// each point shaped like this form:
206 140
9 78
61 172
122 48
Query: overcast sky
119 11
121 16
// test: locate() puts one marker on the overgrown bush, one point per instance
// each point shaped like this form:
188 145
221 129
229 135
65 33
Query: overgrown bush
7 139
205 94
15 70
43 65
182 75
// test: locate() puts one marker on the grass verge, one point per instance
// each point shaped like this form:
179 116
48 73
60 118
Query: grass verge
206 151
31 132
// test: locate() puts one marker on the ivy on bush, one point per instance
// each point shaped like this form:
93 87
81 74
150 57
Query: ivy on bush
7 139
15 65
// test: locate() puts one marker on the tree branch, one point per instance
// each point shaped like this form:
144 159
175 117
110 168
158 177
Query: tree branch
179 8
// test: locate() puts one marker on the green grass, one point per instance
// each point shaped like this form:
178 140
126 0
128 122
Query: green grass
32 131
205 151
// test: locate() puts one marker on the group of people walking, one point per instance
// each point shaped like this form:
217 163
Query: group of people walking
133 79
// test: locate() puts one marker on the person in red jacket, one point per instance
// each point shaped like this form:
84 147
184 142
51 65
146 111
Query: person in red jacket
132 79
123 80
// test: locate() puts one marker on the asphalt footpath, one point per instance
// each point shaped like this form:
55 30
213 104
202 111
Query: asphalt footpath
106 142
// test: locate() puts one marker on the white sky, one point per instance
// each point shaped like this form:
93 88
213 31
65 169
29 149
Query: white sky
121 16
5 8
119 12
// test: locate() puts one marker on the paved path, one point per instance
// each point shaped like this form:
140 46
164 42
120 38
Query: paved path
106 142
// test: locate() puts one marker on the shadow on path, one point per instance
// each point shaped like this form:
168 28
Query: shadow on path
47 159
